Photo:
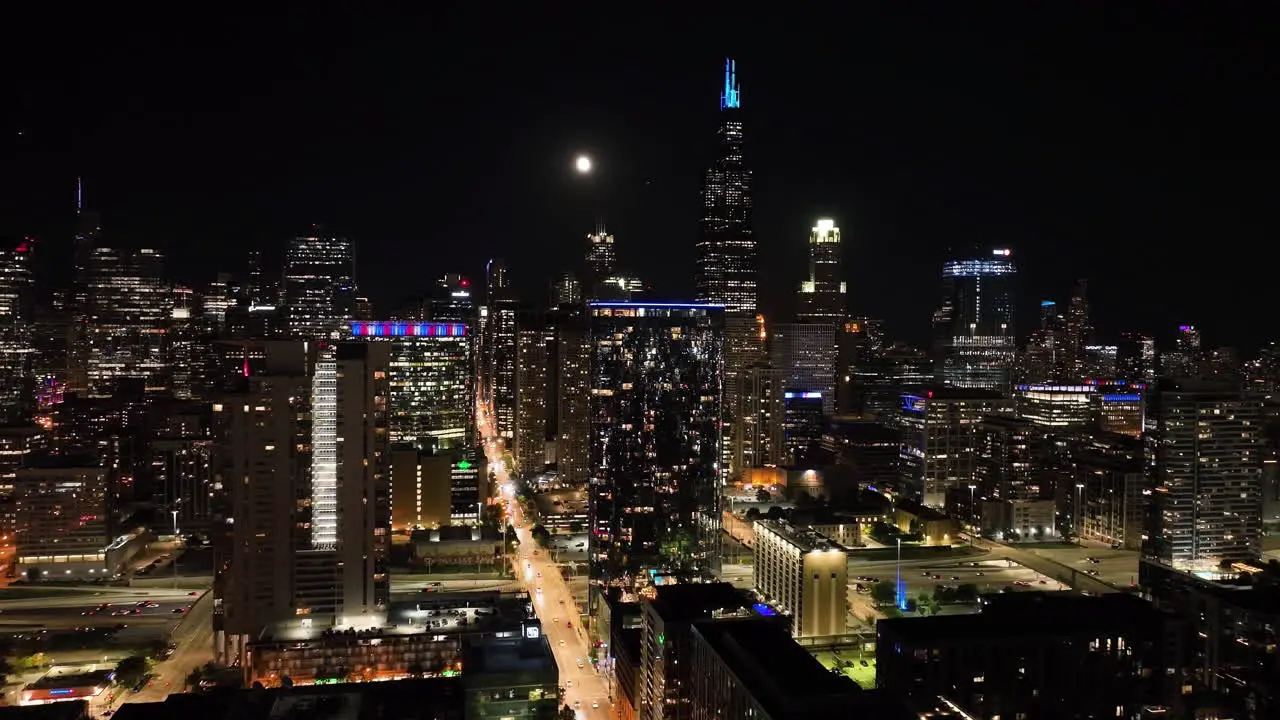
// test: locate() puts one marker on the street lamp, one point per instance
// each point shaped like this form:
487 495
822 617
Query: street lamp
582 164
972 513
1078 521
174 561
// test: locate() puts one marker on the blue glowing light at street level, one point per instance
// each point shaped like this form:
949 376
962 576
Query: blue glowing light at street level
1047 303
764 610
731 97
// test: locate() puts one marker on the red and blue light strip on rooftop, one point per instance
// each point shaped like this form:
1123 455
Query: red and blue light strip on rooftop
408 329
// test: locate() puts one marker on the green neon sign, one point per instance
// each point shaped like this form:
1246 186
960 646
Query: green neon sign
464 465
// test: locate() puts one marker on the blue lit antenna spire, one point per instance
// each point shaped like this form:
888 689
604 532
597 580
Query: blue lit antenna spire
731 97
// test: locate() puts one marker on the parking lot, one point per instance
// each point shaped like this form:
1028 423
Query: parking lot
985 573
1117 567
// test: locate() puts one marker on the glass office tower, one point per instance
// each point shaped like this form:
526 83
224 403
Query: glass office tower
973 329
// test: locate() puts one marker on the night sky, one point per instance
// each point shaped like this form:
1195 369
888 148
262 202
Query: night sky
1134 147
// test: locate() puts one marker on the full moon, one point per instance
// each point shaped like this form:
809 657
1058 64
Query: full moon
583 164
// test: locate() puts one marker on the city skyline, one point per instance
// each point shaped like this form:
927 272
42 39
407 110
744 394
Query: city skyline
620 370
915 156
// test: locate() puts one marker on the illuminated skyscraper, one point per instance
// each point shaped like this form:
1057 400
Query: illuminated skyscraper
602 259
535 343
973 328
1207 475
499 370
726 270
350 482
822 296
319 284
655 440
129 310
430 398
16 341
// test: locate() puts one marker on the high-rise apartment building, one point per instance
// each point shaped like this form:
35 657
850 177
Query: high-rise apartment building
302 453
535 341
1207 475
500 349
822 296
572 393
804 575
262 456
431 404
350 475
655 440
973 327
319 284
17 343
756 435
129 309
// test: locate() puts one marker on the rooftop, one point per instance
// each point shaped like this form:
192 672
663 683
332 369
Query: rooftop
1024 615
803 538
62 676
780 675
694 601
434 699
509 656
485 611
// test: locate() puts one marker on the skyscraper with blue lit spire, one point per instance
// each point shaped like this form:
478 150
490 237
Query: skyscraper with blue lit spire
727 268
726 272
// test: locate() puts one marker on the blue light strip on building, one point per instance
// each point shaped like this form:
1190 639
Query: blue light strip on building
1121 398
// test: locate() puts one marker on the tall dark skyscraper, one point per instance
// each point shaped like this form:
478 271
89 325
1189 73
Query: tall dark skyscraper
88 231
1079 332
973 328
726 272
